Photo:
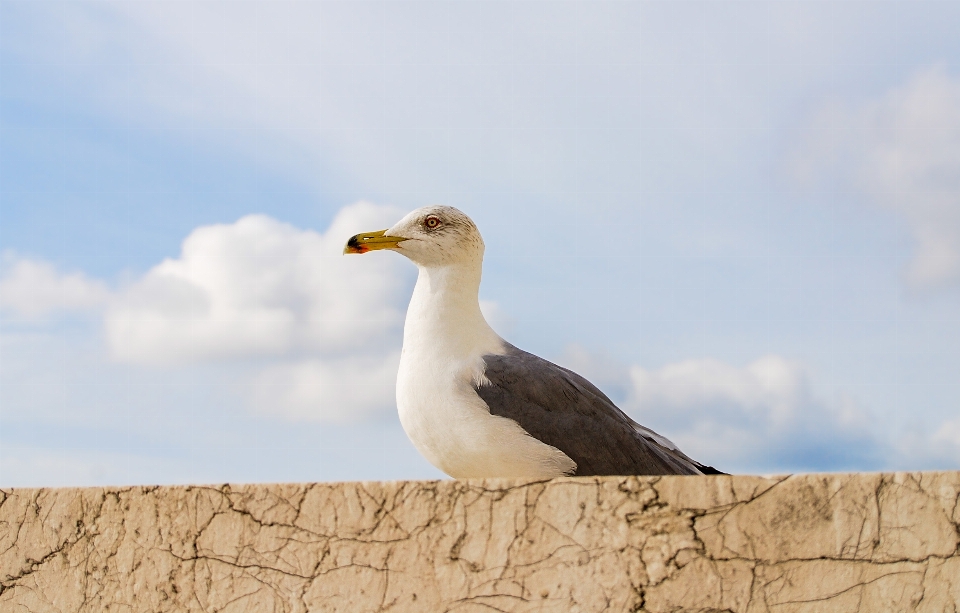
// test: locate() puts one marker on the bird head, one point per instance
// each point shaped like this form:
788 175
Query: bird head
429 236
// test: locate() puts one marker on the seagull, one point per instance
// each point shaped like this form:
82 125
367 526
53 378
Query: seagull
474 405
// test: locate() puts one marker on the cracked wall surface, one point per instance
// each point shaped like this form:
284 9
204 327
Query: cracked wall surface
870 542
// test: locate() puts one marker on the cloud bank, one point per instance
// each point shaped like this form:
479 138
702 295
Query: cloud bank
320 331
260 287
762 416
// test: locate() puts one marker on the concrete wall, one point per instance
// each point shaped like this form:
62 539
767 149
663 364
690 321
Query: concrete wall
870 542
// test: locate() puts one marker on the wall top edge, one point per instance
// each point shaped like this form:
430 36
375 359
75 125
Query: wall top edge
496 483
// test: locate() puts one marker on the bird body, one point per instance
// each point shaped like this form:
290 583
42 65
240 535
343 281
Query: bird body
475 405
445 339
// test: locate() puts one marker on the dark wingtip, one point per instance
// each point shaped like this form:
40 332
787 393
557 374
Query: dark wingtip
710 470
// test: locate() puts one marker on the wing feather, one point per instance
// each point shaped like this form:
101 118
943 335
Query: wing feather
562 409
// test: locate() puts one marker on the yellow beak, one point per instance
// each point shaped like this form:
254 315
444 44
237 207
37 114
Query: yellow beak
371 241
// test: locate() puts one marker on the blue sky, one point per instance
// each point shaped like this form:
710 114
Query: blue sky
740 219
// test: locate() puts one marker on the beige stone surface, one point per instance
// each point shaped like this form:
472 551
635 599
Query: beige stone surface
859 542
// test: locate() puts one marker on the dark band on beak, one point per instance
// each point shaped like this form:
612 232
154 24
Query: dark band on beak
353 245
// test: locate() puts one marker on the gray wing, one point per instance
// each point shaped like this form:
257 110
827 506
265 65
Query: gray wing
562 409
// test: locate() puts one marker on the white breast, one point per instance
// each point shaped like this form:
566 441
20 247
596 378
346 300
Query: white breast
452 427
444 341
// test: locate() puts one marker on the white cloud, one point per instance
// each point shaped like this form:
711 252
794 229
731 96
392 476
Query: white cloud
259 287
324 328
34 289
760 416
770 388
343 390
903 151
320 330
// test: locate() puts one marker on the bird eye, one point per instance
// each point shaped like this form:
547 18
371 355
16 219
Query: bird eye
431 222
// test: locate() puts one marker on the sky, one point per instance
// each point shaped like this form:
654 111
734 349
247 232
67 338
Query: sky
741 220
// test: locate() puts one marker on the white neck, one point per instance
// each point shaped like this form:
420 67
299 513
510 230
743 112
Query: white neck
444 316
